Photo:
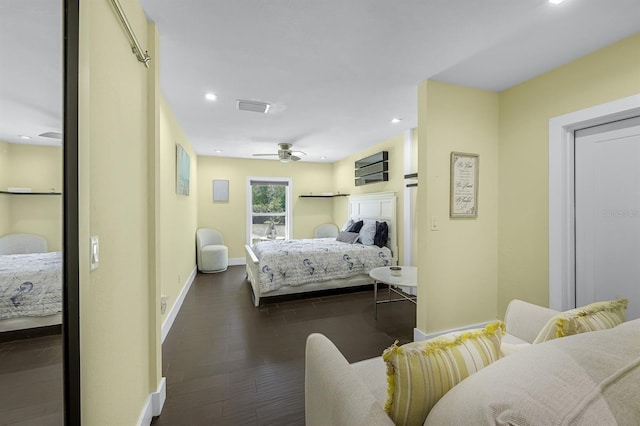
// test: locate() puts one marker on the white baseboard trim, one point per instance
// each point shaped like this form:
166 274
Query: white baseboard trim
154 403
237 261
419 335
159 397
171 316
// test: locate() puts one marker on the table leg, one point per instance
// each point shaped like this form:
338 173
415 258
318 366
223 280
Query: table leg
375 299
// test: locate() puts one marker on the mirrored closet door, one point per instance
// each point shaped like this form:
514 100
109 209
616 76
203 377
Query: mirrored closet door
32 200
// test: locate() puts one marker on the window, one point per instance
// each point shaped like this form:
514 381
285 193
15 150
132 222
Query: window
268 209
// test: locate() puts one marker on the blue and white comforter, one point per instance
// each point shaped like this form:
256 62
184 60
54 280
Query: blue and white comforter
297 262
30 284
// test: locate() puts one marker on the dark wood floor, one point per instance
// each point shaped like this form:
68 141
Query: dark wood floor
226 362
229 363
31 381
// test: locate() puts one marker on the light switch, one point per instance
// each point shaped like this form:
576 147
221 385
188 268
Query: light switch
95 253
435 223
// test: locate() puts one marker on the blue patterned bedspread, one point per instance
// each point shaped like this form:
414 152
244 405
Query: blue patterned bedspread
297 262
30 285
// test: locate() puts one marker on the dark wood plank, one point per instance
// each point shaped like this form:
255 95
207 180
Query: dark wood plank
230 363
31 381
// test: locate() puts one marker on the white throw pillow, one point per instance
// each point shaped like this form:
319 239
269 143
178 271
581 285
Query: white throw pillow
368 232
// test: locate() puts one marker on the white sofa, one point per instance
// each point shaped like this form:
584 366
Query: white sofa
590 378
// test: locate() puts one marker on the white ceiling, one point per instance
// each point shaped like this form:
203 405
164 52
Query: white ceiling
335 71
30 70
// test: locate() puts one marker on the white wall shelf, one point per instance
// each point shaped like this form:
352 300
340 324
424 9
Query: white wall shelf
322 195
30 193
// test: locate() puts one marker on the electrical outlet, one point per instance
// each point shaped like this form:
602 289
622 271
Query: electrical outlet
163 303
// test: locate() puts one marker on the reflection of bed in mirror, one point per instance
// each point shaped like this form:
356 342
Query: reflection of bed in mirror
270 276
30 283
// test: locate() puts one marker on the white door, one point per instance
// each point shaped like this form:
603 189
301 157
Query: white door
607 207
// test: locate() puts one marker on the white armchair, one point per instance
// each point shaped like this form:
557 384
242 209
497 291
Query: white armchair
326 230
22 244
211 253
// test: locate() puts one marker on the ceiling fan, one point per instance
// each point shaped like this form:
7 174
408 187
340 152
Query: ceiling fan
285 154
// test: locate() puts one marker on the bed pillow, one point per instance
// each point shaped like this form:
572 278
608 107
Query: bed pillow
593 317
368 232
420 373
382 234
347 225
347 237
355 226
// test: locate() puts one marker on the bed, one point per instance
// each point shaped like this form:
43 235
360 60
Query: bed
281 267
30 290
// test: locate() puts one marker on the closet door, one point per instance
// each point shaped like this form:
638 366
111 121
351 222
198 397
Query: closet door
607 201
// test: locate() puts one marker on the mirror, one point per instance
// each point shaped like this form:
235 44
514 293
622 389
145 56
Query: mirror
32 343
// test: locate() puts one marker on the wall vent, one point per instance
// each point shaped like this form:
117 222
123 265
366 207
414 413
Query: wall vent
253 106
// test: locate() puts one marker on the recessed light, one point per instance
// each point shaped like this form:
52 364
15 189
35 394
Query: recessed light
210 96
218 151
556 1
24 137
396 120
323 158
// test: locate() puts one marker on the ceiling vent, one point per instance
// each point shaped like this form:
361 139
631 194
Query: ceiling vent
253 106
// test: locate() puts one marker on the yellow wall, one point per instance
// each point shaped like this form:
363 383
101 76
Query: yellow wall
5 200
344 182
178 213
608 74
229 217
117 316
39 168
457 275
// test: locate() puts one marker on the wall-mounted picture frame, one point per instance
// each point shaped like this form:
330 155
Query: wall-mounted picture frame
465 169
183 170
220 190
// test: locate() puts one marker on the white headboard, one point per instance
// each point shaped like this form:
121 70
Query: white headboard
380 206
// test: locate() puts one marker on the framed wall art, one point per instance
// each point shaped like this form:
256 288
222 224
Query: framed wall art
220 190
464 185
182 171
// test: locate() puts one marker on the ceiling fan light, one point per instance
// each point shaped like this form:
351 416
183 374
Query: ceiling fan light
53 135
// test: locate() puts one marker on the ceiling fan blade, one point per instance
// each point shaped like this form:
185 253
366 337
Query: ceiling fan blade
298 152
294 158
264 155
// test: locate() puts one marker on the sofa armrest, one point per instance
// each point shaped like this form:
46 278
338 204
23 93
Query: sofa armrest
525 320
333 392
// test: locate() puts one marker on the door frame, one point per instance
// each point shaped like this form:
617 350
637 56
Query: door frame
561 191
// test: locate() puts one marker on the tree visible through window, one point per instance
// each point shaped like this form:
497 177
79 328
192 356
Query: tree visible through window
268 210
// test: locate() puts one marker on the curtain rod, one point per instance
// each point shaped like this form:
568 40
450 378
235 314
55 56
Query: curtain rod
135 45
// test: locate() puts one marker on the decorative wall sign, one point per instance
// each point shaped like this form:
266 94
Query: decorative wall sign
464 185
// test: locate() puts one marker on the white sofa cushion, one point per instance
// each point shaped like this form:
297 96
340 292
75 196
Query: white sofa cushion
373 373
590 378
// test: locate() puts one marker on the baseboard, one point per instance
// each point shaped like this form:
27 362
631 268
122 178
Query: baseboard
419 335
154 403
237 261
171 316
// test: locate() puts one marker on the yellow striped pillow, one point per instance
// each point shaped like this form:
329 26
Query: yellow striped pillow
593 317
420 373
